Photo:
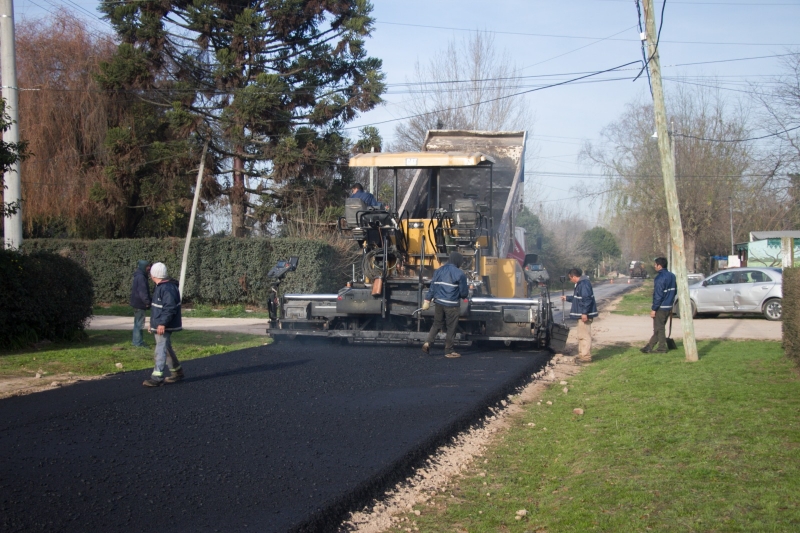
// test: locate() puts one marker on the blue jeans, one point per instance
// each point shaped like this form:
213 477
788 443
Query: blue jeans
138 326
164 356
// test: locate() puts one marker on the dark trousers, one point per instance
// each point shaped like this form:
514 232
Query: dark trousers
444 317
659 326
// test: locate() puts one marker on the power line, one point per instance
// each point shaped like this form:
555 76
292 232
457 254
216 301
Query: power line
736 140
450 28
494 99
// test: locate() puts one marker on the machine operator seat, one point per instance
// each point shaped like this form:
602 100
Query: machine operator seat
465 213
352 206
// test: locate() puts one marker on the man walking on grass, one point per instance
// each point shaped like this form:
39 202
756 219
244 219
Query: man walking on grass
448 287
664 290
165 318
584 309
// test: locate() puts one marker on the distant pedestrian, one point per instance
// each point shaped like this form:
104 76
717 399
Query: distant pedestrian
140 300
165 319
664 290
448 287
584 309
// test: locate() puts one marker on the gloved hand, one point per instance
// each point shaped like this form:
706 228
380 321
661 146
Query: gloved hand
426 305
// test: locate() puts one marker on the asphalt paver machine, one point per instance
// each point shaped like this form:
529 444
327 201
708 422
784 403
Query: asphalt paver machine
463 197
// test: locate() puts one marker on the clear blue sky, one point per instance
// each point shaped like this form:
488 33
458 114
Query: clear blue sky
559 37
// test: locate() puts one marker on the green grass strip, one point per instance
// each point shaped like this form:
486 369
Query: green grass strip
195 311
664 445
99 353
636 302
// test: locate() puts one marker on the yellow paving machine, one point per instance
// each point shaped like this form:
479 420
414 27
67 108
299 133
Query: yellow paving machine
463 197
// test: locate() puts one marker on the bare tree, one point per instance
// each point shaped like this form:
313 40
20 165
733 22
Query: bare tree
715 165
781 104
469 85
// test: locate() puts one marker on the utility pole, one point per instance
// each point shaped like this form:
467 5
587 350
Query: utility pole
12 178
372 175
195 201
667 153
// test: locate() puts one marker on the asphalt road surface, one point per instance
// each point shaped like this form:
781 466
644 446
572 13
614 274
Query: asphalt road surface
280 438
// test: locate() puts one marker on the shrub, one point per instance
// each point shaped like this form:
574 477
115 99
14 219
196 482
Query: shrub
791 314
225 271
45 296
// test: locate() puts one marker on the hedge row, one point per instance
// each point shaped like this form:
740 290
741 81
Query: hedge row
791 313
44 296
224 271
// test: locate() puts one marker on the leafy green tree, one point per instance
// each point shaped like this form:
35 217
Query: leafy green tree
601 245
273 81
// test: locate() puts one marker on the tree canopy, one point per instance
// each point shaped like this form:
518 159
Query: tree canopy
270 82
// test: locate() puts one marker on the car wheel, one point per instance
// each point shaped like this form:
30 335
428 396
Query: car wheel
677 310
773 310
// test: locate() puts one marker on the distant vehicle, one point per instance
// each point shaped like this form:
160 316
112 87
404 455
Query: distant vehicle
739 290
695 278
637 270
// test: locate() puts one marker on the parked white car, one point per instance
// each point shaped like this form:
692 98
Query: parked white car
739 290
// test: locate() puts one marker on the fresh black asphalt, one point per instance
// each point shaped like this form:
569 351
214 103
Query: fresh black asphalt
287 437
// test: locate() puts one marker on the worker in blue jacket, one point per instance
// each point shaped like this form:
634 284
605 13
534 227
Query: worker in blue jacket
584 309
448 288
165 318
665 288
358 192
140 300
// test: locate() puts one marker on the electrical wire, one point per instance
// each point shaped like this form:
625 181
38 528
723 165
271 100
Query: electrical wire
494 99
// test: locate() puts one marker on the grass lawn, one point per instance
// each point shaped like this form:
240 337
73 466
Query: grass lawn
664 445
100 352
636 302
194 311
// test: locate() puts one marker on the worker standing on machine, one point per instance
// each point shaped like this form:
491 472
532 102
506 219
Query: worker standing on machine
448 287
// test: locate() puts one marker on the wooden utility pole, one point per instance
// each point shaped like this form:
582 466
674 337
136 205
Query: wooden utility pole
195 201
667 153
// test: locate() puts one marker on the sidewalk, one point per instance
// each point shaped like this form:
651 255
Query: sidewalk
254 326
610 328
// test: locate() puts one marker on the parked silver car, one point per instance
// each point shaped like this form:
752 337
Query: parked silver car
739 290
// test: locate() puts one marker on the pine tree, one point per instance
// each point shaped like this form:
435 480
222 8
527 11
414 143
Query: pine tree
272 82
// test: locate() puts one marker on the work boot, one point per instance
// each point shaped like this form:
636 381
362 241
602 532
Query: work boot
426 348
176 376
583 360
660 349
452 355
150 382
646 349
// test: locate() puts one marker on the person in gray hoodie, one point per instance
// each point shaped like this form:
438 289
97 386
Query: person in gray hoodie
140 300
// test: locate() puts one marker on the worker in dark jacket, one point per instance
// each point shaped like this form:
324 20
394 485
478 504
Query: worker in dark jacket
448 288
165 318
584 309
140 300
358 192
664 290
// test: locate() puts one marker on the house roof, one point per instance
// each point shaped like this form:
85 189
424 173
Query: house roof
761 235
